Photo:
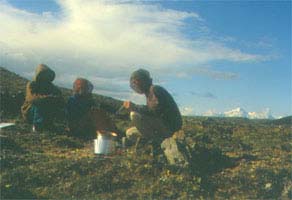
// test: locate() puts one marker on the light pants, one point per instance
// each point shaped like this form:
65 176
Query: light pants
152 129
149 126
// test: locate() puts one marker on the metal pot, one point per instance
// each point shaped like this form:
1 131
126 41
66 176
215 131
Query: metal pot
105 143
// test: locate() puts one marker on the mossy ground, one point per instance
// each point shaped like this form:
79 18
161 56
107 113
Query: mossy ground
231 159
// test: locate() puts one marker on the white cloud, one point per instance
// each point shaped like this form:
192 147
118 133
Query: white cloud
187 111
102 40
240 112
265 114
206 71
137 98
212 113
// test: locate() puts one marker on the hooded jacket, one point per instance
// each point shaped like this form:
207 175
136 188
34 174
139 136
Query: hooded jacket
41 91
81 102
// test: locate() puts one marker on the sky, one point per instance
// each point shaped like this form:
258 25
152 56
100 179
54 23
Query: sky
212 56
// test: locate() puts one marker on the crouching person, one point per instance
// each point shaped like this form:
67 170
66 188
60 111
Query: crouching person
78 110
43 101
160 118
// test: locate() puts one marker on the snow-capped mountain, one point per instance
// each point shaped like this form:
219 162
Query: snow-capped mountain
266 114
237 112
212 113
240 112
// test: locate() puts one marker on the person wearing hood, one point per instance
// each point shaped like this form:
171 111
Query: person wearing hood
84 115
160 118
78 108
43 101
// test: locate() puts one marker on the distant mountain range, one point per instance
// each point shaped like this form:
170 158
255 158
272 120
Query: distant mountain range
240 112
14 83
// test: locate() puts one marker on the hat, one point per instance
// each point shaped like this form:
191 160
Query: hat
44 74
145 81
82 86
141 74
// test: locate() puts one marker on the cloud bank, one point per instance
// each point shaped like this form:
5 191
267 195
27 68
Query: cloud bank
105 40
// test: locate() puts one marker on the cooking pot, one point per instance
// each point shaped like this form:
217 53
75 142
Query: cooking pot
105 143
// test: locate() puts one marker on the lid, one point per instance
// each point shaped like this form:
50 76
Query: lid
107 133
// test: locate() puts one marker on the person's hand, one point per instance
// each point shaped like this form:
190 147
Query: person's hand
127 104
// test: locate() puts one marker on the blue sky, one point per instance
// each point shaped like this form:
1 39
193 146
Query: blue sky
213 56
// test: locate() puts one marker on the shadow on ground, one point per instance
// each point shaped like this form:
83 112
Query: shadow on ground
205 162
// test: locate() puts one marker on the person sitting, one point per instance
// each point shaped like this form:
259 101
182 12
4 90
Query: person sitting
78 109
43 101
84 115
160 118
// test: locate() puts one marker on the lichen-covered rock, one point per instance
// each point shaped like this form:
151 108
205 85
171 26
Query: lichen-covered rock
175 150
287 190
179 135
132 136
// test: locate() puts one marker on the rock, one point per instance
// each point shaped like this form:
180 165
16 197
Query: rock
179 135
175 150
132 136
287 190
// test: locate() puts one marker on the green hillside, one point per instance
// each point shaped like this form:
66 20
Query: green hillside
283 121
231 158
15 85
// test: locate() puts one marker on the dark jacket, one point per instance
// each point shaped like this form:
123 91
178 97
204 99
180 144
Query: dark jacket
78 106
78 115
84 117
161 104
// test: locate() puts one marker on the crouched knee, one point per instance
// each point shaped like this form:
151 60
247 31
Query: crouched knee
135 116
